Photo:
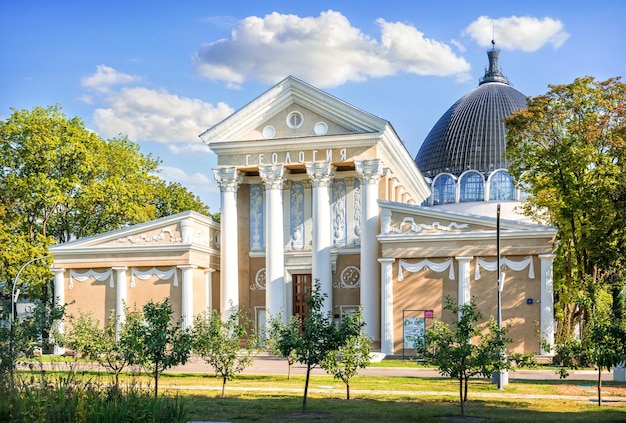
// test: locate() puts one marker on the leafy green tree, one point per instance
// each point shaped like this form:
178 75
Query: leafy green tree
345 363
173 198
154 341
568 149
314 338
602 344
465 350
60 181
277 335
112 352
228 346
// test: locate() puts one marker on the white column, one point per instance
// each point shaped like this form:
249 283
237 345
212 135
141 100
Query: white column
273 179
547 303
228 180
370 172
464 295
187 294
321 174
386 305
208 291
59 299
120 297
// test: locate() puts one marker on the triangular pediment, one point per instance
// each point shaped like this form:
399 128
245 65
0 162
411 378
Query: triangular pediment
266 117
179 231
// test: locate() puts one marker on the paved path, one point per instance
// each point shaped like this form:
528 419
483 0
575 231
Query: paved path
264 364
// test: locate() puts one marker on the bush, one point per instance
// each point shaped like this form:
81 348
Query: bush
43 400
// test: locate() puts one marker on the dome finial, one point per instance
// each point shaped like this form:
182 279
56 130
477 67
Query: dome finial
493 72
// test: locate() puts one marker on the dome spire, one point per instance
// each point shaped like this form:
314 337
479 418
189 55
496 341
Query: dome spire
493 72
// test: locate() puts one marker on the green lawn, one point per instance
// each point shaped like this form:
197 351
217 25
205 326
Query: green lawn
273 398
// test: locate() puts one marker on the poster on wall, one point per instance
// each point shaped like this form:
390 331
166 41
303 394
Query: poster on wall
414 328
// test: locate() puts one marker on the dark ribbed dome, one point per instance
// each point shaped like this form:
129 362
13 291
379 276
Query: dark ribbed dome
471 134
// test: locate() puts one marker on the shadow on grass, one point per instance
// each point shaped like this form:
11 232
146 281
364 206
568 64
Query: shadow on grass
284 408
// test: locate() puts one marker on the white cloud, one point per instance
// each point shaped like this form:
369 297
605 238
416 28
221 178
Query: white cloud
198 183
518 33
325 51
459 45
105 77
189 148
174 174
149 115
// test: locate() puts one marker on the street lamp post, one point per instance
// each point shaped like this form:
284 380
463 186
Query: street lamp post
501 376
14 294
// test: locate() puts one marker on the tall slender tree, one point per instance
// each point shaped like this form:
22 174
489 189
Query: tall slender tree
568 150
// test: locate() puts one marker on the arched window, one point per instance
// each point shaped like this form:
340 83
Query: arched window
472 187
444 190
501 186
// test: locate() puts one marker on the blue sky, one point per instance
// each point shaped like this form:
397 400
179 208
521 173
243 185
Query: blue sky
163 71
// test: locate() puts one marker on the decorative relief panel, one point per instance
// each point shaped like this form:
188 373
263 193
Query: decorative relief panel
339 213
357 212
152 238
296 211
419 227
349 278
259 281
257 240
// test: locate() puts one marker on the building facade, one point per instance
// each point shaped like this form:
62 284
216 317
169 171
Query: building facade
314 189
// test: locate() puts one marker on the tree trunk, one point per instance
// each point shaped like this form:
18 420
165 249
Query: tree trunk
466 380
288 370
306 387
223 386
156 382
599 386
348 391
461 396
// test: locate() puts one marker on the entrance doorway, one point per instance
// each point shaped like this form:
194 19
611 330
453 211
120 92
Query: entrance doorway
301 290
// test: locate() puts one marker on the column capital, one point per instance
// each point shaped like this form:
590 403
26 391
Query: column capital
209 270
386 260
57 270
463 258
548 256
119 268
186 266
370 171
320 173
228 178
272 176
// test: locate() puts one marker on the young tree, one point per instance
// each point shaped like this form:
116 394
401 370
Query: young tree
228 346
602 344
465 351
112 353
317 336
568 149
345 363
155 342
277 327
20 337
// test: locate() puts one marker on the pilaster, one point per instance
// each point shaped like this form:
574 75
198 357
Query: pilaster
547 303
386 306
187 294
